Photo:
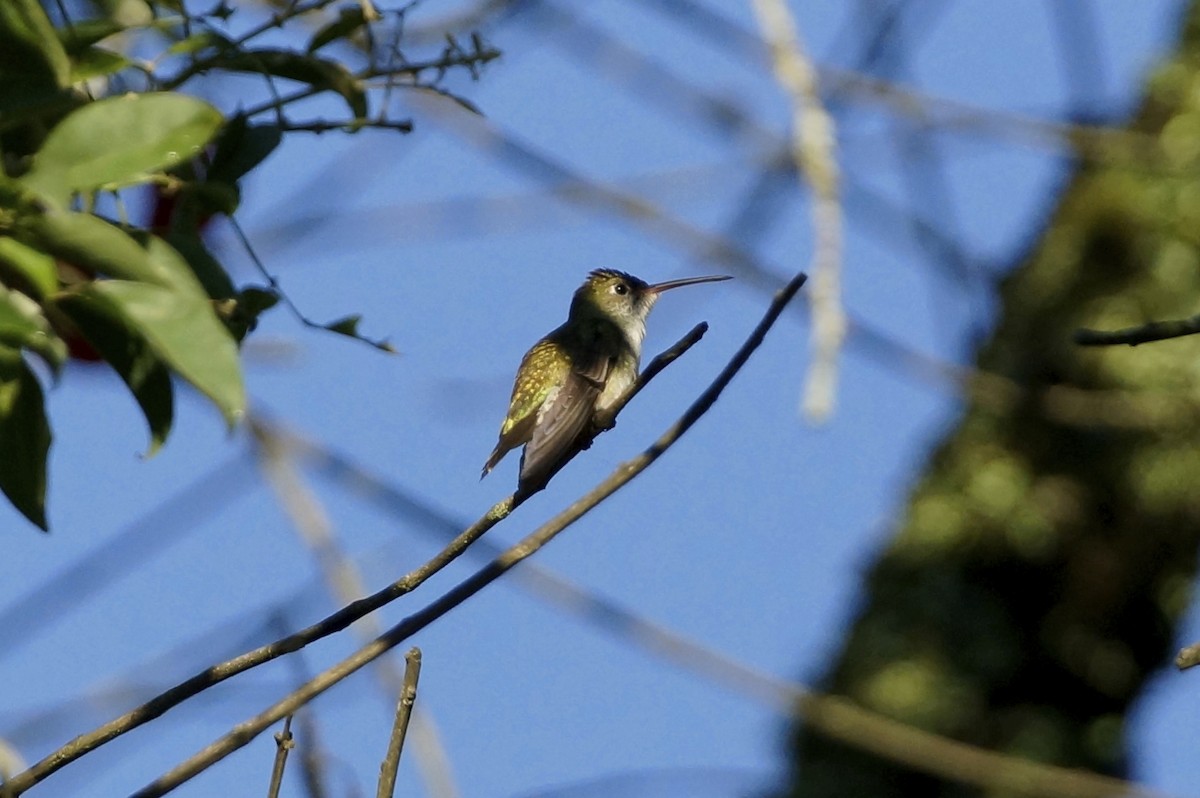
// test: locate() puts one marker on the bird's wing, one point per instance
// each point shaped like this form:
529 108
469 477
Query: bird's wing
562 418
550 368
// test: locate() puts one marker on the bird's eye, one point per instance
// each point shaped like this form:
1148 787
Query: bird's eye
621 289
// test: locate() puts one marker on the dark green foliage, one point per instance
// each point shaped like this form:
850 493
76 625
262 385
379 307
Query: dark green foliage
148 298
1047 553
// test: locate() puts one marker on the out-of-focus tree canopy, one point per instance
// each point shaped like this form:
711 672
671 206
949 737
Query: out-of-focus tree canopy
1049 548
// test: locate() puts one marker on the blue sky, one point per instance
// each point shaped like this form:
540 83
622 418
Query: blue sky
749 536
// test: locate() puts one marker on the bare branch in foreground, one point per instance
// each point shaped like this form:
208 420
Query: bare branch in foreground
1188 657
408 696
336 622
246 731
1143 334
283 746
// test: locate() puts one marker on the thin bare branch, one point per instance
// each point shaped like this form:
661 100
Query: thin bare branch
283 746
339 620
244 732
404 707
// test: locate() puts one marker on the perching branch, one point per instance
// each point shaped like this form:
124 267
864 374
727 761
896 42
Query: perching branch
336 622
408 696
1154 331
246 731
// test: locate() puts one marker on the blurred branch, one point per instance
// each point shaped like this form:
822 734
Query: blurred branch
1145 333
1188 657
283 746
332 624
813 144
585 605
181 513
836 717
1126 409
10 762
408 696
216 674
1099 143
313 757
344 581
320 126
244 732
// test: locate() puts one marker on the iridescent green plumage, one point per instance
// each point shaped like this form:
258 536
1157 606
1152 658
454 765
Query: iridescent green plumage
580 368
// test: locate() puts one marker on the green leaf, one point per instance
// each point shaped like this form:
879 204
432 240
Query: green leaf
27 268
120 140
198 42
24 326
211 197
105 327
170 262
349 20
320 73
208 270
16 196
24 437
186 334
91 243
34 68
81 35
348 326
97 62
241 147
241 313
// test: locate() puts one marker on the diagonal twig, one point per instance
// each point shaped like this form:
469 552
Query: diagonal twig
339 620
246 731
408 696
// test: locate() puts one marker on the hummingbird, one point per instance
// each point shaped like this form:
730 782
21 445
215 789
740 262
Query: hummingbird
578 371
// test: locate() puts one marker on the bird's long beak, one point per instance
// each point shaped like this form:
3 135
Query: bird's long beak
658 288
